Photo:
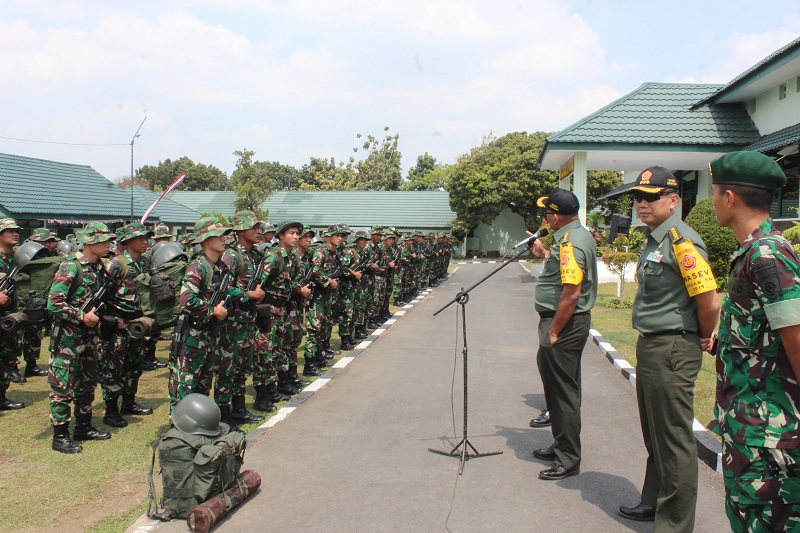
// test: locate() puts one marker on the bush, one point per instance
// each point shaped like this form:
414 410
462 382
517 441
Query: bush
616 303
720 242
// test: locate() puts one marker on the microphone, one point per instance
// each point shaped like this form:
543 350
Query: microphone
539 234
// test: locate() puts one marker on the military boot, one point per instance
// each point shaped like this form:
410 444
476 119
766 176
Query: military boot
9 405
112 417
310 368
284 385
275 396
347 344
361 333
297 380
85 431
130 407
32 370
61 441
240 413
263 399
225 417
16 377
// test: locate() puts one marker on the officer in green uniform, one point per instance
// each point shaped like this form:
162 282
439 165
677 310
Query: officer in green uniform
675 312
565 294
758 351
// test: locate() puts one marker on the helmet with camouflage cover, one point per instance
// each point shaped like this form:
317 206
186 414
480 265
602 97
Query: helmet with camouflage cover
208 227
133 230
361 234
197 414
286 225
267 227
43 235
95 232
161 232
244 220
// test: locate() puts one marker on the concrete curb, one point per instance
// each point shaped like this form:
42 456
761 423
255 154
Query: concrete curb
709 449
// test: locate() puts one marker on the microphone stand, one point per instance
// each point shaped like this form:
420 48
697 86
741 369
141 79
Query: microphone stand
461 450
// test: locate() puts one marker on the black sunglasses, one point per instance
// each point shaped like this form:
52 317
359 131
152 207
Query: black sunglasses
650 196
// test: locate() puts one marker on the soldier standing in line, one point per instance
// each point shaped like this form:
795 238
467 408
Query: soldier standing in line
373 249
9 342
190 369
675 324
331 307
296 307
75 341
33 333
758 351
565 294
379 272
123 356
234 352
350 292
390 266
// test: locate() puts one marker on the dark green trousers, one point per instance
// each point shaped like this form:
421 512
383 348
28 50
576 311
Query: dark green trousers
666 370
560 369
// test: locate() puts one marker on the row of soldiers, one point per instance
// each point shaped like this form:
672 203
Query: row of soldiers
246 305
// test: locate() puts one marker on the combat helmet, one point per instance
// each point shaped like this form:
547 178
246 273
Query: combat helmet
197 414
26 253
165 253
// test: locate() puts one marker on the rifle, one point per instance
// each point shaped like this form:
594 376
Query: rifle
7 283
256 279
307 280
96 302
221 296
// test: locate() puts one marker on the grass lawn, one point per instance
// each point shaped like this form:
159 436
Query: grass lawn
615 326
102 489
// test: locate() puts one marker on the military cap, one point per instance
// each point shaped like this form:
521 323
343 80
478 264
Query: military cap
209 227
8 223
408 237
560 201
361 234
376 229
162 232
286 225
266 227
94 233
752 169
244 220
43 235
387 235
339 229
307 229
133 230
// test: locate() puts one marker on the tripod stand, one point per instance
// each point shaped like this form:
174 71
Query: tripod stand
462 449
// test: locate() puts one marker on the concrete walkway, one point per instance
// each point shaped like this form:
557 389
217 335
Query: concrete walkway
353 457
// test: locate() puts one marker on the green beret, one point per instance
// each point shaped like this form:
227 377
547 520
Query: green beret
752 169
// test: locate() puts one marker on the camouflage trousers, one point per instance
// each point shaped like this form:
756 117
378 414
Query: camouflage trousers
121 365
316 325
73 372
234 358
346 307
330 309
192 370
295 328
32 342
9 351
762 487
272 348
376 298
397 283
389 288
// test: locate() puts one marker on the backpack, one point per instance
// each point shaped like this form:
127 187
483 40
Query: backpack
194 468
160 291
32 286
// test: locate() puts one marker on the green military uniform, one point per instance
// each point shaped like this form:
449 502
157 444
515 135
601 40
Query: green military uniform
9 342
32 333
560 363
757 413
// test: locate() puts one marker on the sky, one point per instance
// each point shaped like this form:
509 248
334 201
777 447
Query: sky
297 79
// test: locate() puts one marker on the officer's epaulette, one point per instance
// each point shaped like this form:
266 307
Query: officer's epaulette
565 238
676 236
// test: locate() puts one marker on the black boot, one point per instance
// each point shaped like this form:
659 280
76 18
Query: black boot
263 399
9 405
225 417
85 431
240 413
361 333
32 370
61 441
275 396
301 383
347 344
130 407
310 368
329 352
112 417
16 377
284 386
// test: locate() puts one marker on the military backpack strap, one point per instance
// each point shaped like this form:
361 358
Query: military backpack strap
77 281
152 501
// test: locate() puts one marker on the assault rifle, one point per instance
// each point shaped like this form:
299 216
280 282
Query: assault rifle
221 296
96 303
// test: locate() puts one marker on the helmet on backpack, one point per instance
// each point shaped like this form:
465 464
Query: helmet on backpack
165 252
197 414
26 253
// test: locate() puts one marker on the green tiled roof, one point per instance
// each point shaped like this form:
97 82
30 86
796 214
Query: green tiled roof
40 189
168 211
662 114
404 209
777 139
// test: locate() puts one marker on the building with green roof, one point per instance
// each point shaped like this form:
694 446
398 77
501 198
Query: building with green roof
684 126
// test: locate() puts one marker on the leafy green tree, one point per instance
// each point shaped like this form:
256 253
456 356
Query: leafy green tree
198 177
284 177
720 241
251 182
380 170
500 173
599 182
327 175
416 175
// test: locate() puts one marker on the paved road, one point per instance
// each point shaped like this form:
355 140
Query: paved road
354 456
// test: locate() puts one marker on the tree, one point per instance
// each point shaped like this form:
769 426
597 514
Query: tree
599 182
500 173
198 177
251 183
380 170
437 179
327 175
284 177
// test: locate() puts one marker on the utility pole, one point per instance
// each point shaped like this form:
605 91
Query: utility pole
132 180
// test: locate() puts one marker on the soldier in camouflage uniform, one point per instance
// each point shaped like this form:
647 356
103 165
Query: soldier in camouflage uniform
32 333
388 267
351 291
297 303
75 349
190 370
9 342
234 358
323 265
758 352
675 318
332 309
123 356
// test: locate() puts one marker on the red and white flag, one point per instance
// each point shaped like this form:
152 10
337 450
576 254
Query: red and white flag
172 185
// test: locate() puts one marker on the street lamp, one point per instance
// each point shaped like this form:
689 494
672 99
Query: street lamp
132 182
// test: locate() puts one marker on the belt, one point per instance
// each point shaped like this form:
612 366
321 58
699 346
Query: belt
667 332
552 314
275 302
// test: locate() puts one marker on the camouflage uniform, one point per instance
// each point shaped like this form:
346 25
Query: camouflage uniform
350 294
33 333
191 370
757 411
323 263
9 342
